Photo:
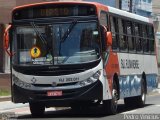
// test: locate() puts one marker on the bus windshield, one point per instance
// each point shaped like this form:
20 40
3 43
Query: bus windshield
57 44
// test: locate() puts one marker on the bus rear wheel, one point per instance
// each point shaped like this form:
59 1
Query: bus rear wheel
138 101
37 109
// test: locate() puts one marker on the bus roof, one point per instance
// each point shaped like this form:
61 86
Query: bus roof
59 2
129 15
98 5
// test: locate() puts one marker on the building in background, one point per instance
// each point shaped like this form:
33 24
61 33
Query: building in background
140 7
156 18
5 7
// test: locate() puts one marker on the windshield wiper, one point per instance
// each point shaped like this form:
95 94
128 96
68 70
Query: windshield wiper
70 28
66 34
39 34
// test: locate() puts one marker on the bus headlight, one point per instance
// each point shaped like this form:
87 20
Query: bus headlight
91 79
20 83
97 75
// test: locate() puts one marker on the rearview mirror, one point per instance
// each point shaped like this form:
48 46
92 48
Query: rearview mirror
7 40
106 37
109 38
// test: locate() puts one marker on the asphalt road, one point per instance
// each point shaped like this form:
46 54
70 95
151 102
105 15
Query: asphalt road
152 107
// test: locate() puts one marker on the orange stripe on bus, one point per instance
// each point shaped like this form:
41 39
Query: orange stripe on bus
112 67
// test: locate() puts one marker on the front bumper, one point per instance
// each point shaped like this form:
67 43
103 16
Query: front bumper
88 93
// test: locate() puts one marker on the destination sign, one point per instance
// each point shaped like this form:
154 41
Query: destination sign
53 10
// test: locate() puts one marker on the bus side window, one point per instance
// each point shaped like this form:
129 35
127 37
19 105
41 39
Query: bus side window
113 23
151 32
122 37
103 18
131 42
137 30
103 22
145 40
151 39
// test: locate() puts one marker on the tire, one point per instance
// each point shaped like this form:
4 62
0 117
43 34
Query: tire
138 101
110 106
37 109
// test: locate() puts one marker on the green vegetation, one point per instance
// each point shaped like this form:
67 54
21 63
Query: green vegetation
4 92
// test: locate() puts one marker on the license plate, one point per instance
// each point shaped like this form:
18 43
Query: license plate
54 93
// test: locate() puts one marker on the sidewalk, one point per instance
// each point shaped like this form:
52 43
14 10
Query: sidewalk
5 98
6 105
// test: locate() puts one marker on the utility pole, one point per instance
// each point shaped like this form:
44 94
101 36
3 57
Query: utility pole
117 3
130 5
120 4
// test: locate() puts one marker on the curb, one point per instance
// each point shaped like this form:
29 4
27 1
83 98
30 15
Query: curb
5 98
159 86
155 92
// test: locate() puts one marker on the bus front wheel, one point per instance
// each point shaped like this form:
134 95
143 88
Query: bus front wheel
37 109
110 106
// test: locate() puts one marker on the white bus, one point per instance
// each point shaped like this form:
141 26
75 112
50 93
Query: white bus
80 54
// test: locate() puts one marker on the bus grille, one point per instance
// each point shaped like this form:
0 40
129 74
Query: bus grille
58 85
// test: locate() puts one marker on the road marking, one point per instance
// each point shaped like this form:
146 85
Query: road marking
157 105
2 102
8 105
129 112
50 109
24 110
14 110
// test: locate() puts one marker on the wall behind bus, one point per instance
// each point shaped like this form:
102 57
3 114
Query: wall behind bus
1 47
156 17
